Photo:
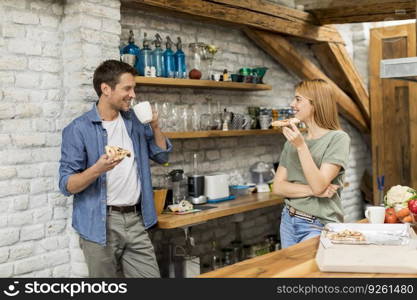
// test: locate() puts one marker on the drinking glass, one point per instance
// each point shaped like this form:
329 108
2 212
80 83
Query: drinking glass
195 119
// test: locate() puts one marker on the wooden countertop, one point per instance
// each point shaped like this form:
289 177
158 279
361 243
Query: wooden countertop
296 261
222 209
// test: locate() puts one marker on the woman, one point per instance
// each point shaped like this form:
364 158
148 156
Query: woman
312 165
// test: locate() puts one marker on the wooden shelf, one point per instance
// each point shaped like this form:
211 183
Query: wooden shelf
219 133
203 84
222 209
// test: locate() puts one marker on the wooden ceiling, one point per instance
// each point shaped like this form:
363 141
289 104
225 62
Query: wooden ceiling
356 11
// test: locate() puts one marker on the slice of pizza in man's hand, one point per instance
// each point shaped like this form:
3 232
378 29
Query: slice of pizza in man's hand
117 153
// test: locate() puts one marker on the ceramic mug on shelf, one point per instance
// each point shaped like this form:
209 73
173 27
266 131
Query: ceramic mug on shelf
375 214
143 111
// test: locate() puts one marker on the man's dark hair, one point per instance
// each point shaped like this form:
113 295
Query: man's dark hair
109 72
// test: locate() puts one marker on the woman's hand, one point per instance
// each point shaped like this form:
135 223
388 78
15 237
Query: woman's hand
329 191
293 135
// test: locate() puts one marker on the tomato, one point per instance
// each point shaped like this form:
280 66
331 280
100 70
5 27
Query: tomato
412 205
390 216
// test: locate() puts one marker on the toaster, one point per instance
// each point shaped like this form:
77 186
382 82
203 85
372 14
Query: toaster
216 185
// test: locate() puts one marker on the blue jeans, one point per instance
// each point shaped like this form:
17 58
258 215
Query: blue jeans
294 230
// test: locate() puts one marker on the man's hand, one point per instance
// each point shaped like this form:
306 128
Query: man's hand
329 191
155 119
105 163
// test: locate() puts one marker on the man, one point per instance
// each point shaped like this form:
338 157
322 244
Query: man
113 199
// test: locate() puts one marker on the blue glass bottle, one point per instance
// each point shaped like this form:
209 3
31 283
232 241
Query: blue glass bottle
179 58
157 56
131 53
145 60
169 63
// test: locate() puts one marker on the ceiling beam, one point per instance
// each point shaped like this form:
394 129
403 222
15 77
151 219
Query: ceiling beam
357 11
287 55
258 14
338 65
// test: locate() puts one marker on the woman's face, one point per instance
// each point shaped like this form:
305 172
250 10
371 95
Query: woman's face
302 107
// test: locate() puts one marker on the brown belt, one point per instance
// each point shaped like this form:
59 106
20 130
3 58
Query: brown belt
122 209
297 213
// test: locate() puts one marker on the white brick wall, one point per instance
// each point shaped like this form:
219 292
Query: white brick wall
48 51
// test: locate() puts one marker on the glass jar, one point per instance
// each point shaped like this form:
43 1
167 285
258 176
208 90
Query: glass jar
196 60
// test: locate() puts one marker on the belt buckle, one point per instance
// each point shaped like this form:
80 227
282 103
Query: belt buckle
291 211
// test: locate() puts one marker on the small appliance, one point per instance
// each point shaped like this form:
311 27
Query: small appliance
196 184
216 186
196 189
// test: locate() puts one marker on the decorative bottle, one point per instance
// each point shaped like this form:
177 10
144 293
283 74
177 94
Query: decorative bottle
145 61
157 56
131 53
180 65
169 62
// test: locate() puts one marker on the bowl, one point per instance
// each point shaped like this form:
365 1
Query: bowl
245 71
260 73
239 190
404 215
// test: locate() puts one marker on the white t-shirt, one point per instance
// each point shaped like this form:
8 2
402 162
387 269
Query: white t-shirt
123 186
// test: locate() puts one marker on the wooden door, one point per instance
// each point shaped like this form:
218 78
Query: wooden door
393 111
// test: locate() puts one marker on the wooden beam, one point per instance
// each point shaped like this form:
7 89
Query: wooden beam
287 55
357 11
274 21
336 62
276 10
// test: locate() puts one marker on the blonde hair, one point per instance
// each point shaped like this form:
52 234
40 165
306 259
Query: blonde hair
321 96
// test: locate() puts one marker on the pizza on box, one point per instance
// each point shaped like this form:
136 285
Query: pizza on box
286 122
117 153
346 235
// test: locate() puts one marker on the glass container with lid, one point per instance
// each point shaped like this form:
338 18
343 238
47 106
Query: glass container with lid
197 62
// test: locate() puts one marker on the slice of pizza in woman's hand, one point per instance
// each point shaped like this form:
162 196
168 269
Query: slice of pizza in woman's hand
117 153
286 122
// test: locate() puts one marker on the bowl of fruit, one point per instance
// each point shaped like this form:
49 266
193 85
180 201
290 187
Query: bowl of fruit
401 205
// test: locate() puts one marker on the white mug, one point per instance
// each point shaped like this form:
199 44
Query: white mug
143 111
375 214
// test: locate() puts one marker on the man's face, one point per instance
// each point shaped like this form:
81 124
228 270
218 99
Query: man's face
120 98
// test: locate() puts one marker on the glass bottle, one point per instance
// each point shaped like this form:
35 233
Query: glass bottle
131 53
215 259
169 61
179 58
145 61
227 256
157 56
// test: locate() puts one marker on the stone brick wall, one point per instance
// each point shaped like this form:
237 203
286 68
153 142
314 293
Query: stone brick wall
48 51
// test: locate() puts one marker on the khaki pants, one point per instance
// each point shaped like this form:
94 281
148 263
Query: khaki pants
129 251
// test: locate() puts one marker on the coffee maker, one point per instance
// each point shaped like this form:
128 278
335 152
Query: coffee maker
196 185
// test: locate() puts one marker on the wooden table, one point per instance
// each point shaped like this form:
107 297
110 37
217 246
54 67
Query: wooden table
295 261
222 209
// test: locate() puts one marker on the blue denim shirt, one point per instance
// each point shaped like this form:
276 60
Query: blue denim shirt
83 142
